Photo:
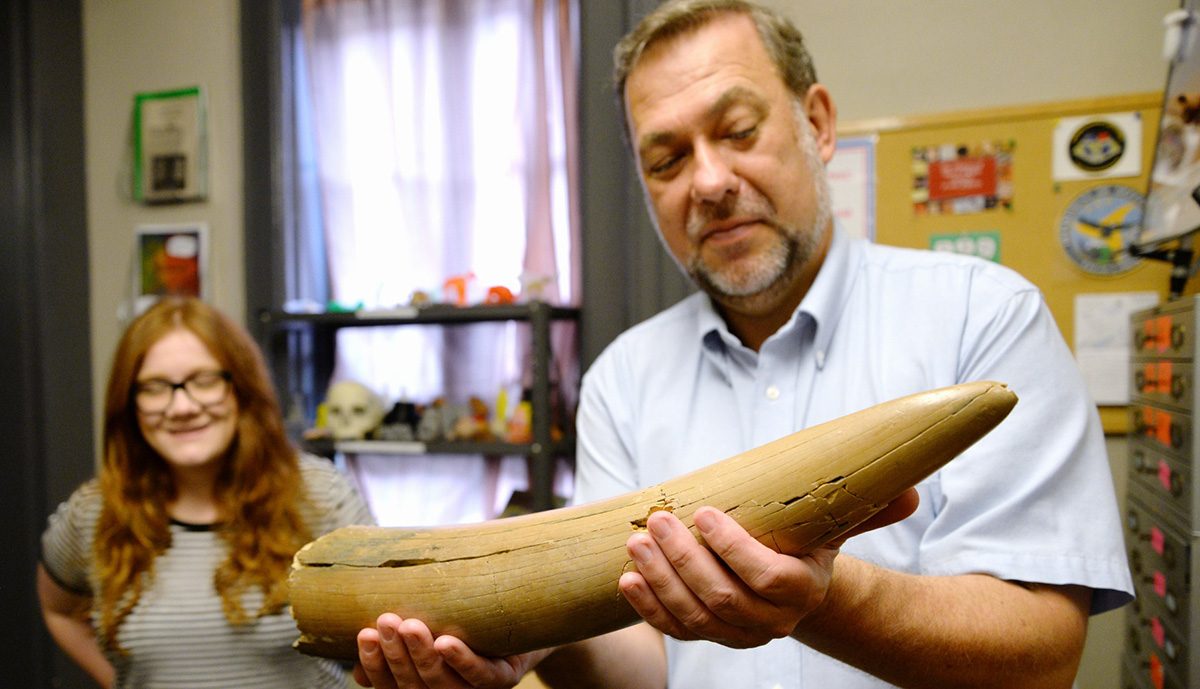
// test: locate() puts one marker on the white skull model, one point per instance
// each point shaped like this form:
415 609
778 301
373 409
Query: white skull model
353 410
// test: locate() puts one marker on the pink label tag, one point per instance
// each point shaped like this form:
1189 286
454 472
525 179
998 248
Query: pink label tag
1160 584
1164 474
1157 541
1156 630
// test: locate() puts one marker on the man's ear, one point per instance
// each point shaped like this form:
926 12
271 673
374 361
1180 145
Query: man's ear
822 115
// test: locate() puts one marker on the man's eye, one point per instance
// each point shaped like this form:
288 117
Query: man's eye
743 133
664 165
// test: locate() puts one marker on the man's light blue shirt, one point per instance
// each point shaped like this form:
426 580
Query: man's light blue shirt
1033 501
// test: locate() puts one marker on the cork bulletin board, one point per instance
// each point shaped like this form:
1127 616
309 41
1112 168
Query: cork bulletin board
998 183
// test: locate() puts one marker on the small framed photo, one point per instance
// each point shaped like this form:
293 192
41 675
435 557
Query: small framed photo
170 146
170 260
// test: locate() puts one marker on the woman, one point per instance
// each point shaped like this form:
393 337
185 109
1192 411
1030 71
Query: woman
170 568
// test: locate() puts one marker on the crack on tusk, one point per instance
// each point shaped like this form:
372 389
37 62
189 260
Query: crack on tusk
417 562
400 563
509 628
408 562
856 496
664 504
774 542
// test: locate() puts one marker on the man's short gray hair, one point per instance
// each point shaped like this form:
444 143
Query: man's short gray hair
782 39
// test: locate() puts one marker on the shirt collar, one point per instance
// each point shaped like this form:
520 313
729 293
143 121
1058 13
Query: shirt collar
824 302
826 299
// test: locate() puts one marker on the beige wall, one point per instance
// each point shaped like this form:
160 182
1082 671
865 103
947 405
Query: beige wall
885 58
131 46
879 57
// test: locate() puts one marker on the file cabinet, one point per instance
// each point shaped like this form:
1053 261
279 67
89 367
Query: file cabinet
1162 528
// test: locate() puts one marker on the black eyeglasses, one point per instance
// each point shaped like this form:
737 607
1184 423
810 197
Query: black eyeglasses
205 388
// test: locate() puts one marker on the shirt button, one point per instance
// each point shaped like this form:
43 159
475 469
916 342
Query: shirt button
772 393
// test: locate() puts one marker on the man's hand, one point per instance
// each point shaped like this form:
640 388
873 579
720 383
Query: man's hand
403 654
737 591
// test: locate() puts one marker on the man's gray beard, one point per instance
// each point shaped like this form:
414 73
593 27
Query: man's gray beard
791 251
786 251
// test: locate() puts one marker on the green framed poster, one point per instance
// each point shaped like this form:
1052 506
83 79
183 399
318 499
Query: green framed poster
170 146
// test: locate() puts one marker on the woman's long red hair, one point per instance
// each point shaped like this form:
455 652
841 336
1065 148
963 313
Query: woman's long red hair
258 492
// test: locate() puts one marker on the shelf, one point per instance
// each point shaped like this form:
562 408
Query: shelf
438 447
301 347
433 314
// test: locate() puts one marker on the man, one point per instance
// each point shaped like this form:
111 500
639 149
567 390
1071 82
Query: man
1014 543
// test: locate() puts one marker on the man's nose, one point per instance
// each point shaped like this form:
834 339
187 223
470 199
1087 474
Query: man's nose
712 175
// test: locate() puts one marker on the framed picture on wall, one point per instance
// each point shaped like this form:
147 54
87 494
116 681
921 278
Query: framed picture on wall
169 260
170 146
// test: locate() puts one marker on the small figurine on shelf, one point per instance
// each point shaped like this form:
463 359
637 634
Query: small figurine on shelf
429 428
451 413
520 426
474 424
400 424
320 429
499 295
535 287
353 411
499 422
454 289
420 298
337 307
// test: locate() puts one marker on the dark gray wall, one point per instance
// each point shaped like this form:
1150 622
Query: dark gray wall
45 372
627 274
266 157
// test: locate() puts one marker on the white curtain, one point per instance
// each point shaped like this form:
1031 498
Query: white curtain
445 147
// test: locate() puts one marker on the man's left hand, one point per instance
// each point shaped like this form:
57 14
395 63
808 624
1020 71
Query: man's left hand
736 591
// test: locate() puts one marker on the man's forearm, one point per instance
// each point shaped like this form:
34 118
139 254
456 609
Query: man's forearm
633 658
971 630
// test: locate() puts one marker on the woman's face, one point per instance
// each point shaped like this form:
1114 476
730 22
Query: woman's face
186 407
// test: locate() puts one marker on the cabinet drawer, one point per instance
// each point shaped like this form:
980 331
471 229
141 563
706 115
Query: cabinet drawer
1166 604
1168 480
1163 429
1156 652
1167 332
1156 544
1163 381
1135 674
1132 678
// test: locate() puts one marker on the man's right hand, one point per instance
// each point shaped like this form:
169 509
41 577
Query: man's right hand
403 654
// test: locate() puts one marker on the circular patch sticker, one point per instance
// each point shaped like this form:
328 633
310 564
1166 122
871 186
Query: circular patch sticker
1099 226
1097 146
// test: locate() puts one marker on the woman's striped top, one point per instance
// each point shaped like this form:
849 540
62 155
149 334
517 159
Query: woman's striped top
177 635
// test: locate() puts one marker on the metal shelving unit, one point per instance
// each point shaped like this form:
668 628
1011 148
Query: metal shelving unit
301 347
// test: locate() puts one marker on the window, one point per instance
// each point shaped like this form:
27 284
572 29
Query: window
442 145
